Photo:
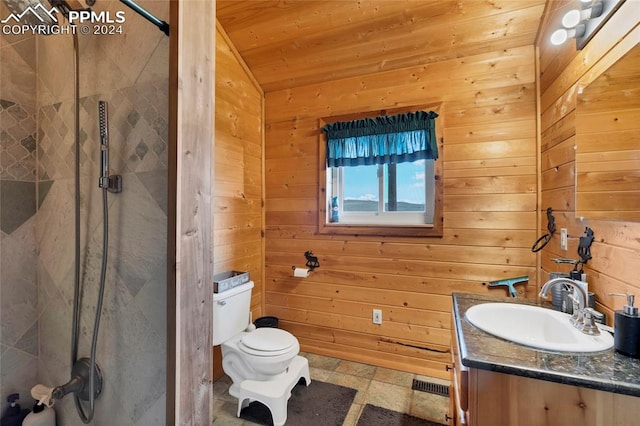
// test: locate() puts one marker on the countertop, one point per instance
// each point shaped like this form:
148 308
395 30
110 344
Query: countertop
608 370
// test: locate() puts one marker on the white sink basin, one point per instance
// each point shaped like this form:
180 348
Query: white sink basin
535 326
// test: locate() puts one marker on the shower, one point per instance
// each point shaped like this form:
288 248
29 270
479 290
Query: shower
86 376
86 380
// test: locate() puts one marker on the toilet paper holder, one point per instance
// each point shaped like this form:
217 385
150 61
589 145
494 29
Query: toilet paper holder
312 261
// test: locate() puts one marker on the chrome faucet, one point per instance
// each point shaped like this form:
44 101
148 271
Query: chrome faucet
580 296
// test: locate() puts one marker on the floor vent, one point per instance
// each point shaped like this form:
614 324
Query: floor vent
435 388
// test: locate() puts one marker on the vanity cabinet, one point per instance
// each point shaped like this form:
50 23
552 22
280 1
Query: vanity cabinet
525 395
498 399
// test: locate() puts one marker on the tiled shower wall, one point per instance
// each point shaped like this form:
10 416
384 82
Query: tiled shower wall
18 279
132 338
130 72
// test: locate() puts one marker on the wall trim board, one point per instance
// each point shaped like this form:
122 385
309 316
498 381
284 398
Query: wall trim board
192 100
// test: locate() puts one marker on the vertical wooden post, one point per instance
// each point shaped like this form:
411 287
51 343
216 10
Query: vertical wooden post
191 121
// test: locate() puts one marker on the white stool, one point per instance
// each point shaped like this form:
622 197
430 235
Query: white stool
275 394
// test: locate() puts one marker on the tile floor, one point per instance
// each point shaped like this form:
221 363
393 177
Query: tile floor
375 385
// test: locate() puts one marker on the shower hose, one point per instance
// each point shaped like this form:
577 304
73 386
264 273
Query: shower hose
87 416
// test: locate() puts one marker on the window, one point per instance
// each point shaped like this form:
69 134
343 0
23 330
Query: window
386 182
389 194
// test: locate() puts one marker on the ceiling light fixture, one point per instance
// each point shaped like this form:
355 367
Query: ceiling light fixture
582 24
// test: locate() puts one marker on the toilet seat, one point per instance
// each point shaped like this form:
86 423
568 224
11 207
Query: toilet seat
267 342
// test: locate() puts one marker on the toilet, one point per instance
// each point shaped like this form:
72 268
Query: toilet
263 363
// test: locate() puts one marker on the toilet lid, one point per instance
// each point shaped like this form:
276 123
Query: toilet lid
267 339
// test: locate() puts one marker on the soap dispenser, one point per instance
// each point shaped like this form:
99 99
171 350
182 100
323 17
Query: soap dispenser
626 337
14 415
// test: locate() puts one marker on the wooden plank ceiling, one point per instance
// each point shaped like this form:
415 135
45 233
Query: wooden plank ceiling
289 43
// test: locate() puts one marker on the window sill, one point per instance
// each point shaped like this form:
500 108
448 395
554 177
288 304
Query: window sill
381 230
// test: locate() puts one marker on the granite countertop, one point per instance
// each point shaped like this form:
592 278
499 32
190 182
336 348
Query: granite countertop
608 370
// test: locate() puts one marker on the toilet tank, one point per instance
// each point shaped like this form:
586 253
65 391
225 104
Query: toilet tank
231 312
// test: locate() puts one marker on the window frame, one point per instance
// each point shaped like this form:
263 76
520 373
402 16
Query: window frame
325 226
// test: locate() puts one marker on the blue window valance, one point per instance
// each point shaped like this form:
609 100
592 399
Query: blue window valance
382 140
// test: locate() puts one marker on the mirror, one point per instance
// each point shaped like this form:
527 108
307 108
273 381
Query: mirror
608 143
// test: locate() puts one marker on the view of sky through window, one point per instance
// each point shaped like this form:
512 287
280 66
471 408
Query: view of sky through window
360 187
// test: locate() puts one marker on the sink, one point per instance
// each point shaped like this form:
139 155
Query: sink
535 326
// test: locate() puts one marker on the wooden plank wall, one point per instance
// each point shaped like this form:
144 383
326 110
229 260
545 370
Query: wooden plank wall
238 179
489 115
616 249
189 295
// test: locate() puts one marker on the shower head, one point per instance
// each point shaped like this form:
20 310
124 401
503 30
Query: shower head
103 117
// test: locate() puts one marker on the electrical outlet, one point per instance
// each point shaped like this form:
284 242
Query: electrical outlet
377 316
563 239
